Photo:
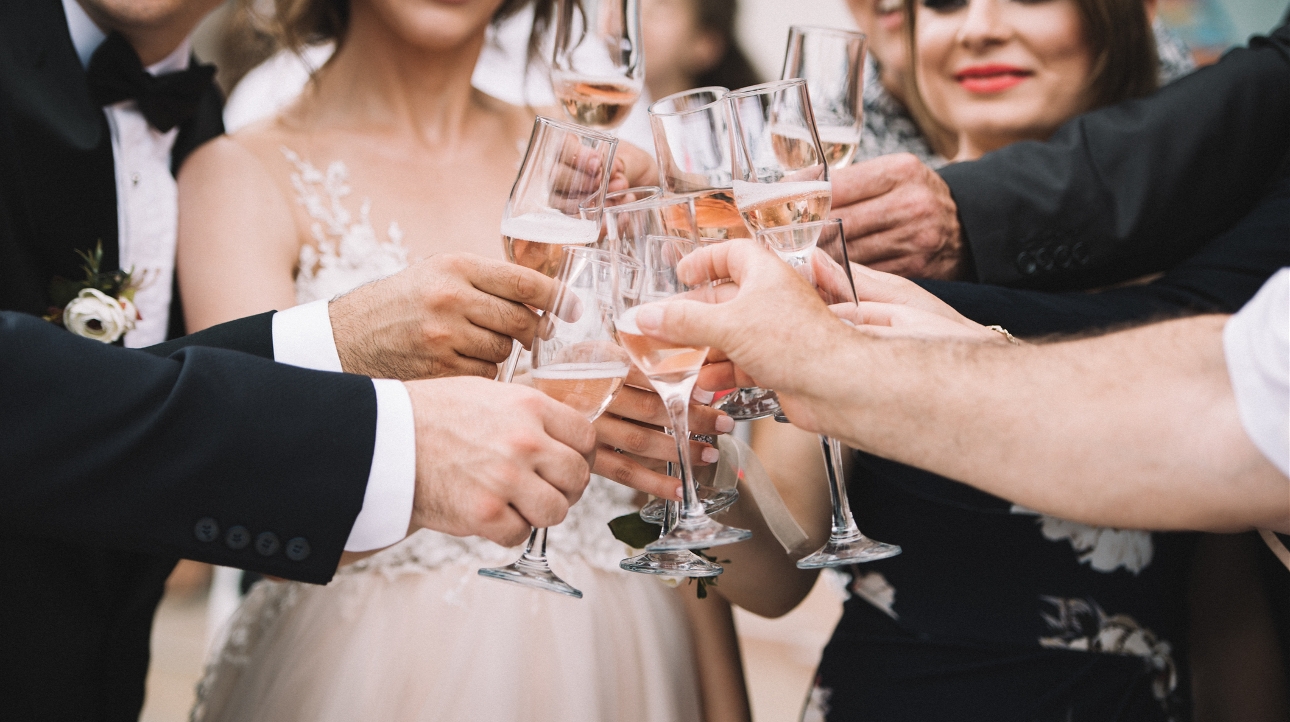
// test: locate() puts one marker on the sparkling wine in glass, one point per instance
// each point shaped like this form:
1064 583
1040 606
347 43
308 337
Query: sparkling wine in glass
598 69
693 146
556 201
626 226
672 370
831 61
576 361
819 252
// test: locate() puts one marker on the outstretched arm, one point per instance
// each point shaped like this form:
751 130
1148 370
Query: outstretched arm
1135 429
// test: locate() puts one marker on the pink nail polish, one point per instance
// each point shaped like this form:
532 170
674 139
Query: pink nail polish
725 424
678 494
702 396
710 455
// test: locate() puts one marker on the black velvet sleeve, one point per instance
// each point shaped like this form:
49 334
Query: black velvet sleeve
207 454
1133 188
253 335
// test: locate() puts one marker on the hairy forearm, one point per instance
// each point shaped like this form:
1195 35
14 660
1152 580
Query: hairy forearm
1134 429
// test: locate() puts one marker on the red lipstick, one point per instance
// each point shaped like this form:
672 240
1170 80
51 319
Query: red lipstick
993 78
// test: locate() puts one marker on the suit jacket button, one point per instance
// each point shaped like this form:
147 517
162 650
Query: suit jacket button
1026 263
207 530
237 537
1062 256
1043 259
1079 252
297 549
267 544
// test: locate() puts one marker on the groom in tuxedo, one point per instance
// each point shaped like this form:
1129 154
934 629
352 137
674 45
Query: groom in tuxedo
100 101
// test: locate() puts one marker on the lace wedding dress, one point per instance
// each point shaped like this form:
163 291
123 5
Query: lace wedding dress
413 633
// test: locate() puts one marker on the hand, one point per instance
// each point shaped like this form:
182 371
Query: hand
899 217
890 320
634 423
452 314
495 459
633 168
775 329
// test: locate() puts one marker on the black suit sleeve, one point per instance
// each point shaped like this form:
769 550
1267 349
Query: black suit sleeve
1132 188
252 335
1219 278
172 456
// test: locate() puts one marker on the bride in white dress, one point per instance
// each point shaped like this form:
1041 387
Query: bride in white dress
390 157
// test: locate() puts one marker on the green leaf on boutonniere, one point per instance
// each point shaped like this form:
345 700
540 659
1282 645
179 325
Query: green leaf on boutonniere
701 591
633 531
116 284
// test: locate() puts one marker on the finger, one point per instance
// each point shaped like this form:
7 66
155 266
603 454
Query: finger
867 179
630 473
512 282
540 501
506 527
867 313
467 366
649 443
647 407
717 376
565 470
565 425
475 341
501 321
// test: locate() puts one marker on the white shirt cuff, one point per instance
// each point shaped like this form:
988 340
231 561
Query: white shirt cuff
387 502
302 337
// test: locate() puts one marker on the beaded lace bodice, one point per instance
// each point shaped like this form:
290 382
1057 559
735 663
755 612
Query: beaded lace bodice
349 253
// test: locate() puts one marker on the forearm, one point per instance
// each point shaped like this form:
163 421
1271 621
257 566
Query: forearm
716 656
1136 429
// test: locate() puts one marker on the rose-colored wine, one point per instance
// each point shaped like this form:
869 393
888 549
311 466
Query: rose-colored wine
536 240
659 360
771 205
717 217
587 387
840 145
596 102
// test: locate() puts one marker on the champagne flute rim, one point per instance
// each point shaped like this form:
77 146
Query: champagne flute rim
576 129
717 90
824 30
601 255
658 201
765 88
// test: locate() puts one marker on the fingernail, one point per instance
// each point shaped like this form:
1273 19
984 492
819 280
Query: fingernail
710 455
725 424
702 396
649 317
678 494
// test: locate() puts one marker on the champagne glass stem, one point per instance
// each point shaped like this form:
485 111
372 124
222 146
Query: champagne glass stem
535 549
508 368
677 411
844 525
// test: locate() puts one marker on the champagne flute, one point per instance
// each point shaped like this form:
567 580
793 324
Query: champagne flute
672 370
598 69
576 361
780 177
831 61
626 226
805 247
693 148
679 562
692 140
556 201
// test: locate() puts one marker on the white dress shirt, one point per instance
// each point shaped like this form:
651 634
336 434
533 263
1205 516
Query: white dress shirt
147 217
1256 345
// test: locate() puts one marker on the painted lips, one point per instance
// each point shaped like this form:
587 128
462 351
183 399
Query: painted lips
990 78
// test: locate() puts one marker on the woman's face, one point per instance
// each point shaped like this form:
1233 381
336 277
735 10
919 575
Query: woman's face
883 21
998 71
676 49
429 24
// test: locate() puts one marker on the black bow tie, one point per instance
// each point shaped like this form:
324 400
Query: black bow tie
117 74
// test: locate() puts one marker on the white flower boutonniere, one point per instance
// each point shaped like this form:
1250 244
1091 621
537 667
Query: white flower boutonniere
100 307
93 314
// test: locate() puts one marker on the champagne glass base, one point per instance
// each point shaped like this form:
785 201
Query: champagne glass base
714 500
532 574
748 404
851 550
698 534
675 563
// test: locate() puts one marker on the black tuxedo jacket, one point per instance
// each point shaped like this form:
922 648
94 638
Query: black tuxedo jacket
1133 188
75 611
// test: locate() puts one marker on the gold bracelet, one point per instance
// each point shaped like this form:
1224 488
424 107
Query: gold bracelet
1000 329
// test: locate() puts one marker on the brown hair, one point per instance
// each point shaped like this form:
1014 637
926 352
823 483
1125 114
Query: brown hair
733 69
1125 63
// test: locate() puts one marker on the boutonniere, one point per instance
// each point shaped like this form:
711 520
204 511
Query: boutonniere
101 306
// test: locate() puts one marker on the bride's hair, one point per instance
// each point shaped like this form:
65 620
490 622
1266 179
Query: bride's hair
296 24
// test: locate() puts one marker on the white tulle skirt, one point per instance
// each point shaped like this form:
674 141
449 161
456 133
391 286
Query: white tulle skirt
445 644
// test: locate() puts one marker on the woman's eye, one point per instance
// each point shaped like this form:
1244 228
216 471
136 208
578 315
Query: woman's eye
944 6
